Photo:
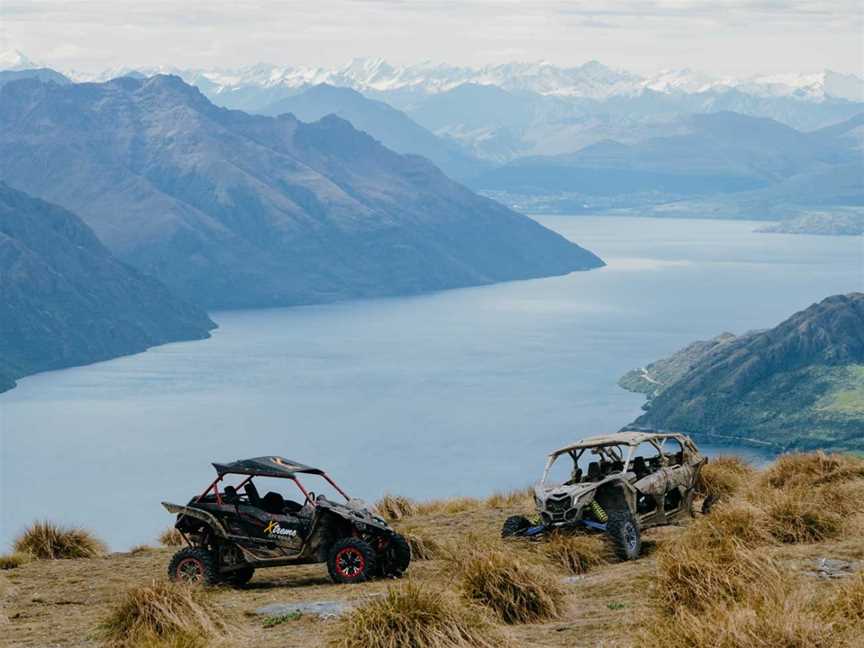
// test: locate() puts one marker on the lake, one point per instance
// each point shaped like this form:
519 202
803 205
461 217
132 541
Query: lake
453 393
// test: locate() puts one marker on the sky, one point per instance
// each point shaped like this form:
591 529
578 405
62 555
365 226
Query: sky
721 37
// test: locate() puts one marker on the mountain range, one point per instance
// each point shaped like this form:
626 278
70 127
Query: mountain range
501 112
65 300
392 127
799 385
236 210
721 164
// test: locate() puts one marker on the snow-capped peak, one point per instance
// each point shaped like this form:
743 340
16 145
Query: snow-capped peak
13 59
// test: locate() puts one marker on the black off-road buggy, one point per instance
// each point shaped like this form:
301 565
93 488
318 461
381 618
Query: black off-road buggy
232 532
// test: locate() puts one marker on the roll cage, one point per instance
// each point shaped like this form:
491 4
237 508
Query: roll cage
249 470
617 452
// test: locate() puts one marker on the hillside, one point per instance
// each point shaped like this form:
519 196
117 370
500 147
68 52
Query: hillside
393 128
718 580
711 154
235 210
64 300
798 385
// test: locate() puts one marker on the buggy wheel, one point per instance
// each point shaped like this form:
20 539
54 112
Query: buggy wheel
396 558
194 566
240 577
708 504
624 532
515 525
351 560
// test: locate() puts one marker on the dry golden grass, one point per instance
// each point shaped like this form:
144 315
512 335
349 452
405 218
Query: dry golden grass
414 616
49 541
395 507
514 589
171 537
577 553
800 514
448 506
772 614
137 550
163 614
13 560
694 578
813 469
847 603
724 476
733 519
724 583
422 546
521 498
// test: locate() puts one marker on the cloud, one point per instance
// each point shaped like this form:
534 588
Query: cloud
722 36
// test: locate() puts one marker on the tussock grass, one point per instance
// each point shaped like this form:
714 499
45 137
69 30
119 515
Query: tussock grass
448 506
171 537
515 590
49 541
773 615
576 553
847 603
716 559
734 519
163 614
719 587
521 498
813 469
395 507
13 560
724 476
695 578
422 546
801 514
137 550
413 616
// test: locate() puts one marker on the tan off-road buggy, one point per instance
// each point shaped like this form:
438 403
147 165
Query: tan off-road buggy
619 484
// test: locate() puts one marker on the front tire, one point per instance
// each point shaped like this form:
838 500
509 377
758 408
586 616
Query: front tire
624 533
194 566
351 560
515 525
397 556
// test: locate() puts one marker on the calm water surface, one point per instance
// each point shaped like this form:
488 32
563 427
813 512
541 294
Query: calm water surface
460 392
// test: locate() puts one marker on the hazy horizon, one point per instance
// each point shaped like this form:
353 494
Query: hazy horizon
729 38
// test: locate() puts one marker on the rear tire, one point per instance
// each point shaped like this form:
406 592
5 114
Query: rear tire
623 530
194 566
351 560
515 525
397 557
708 503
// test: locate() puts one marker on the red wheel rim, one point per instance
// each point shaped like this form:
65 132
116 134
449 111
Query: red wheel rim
350 562
190 570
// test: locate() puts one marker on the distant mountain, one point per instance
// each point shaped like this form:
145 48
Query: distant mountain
393 128
711 154
42 74
64 300
799 385
235 210
544 109
13 59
